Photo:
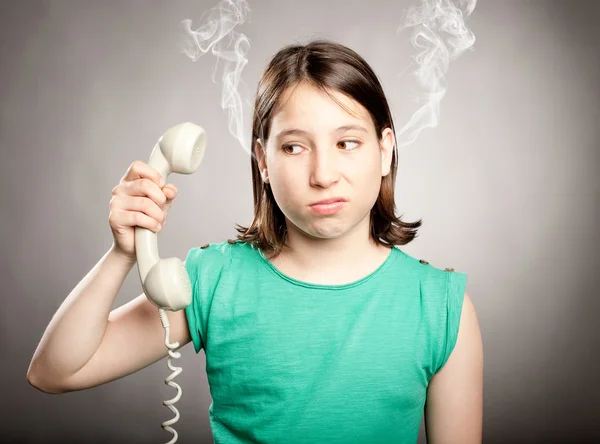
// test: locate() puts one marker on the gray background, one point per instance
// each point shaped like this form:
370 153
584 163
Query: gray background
507 185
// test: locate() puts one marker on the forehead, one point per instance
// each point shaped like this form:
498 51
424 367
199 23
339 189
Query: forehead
309 106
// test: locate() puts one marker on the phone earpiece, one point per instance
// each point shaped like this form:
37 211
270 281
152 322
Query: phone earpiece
165 281
183 147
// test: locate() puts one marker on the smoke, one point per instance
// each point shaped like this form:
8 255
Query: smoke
441 35
217 34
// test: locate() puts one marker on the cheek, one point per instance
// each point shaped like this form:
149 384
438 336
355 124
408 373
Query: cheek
285 191
368 182
368 169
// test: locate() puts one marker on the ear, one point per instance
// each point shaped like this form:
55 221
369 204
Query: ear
260 154
387 150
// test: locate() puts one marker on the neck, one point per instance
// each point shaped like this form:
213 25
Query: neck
352 251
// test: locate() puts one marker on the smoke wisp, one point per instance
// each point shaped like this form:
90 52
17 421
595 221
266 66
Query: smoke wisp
440 35
216 33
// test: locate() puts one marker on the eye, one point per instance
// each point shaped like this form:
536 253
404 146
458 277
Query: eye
344 145
284 148
350 141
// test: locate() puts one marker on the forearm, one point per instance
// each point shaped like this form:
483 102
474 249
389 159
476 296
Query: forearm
77 328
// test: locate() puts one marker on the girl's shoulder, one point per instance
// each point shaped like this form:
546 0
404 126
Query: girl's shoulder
221 251
423 266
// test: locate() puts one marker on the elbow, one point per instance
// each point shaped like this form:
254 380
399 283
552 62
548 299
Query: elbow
44 386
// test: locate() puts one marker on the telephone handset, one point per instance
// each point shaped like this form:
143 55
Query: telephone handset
165 281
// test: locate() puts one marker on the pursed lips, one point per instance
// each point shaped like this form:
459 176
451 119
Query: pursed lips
329 201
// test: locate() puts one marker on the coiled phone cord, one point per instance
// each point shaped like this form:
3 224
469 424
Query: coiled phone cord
169 380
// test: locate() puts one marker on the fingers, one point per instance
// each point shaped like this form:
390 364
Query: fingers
141 170
141 173
144 216
145 188
140 190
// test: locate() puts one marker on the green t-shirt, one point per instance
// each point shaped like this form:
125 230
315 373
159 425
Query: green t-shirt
293 362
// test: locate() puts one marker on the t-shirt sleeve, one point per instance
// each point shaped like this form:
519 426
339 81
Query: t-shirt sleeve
204 267
454 292
192 311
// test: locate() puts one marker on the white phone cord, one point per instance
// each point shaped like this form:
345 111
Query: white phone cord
176 370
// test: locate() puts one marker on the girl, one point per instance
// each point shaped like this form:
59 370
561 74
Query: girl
316 326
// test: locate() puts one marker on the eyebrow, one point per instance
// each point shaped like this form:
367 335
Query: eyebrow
297 131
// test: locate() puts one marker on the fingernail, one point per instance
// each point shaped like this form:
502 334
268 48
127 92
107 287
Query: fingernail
162 182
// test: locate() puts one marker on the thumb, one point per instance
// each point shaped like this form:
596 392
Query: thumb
170 191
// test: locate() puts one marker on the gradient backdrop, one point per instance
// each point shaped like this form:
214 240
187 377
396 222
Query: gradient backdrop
507 184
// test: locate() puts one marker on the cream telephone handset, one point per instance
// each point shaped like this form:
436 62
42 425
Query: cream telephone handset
165 281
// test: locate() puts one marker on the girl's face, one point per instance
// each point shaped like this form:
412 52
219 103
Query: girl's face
316 150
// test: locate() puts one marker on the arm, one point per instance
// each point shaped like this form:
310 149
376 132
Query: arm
134 339
454 406
85 344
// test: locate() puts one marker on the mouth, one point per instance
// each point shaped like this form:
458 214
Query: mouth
329 201
328 208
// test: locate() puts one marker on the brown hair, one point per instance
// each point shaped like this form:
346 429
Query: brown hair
328 66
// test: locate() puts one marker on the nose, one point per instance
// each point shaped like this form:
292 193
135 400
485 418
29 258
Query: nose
324 168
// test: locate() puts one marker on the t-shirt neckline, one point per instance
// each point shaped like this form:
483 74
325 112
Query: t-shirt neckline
379 270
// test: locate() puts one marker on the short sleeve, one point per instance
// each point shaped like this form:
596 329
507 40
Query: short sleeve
204 266
455 287
192 311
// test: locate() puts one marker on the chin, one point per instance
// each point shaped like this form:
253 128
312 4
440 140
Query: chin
326 229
